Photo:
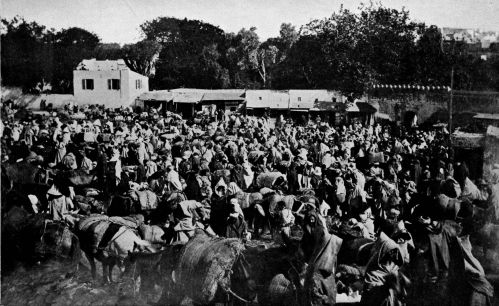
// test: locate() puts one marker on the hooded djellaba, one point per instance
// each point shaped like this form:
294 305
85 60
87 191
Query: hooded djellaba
320 249
384 282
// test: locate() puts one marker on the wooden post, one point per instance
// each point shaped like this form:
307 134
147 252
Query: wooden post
451 99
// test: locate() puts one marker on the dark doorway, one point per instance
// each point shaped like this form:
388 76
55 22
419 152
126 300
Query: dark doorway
186 109
473 157
409 117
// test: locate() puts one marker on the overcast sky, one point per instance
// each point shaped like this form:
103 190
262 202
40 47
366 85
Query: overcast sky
119 20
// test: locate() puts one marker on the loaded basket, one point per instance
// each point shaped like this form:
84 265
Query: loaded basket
212 269
205 266
378 157
270 179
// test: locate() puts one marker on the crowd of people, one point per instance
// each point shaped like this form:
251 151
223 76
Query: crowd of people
364 181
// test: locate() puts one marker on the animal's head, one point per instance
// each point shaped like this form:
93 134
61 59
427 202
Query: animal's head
245 285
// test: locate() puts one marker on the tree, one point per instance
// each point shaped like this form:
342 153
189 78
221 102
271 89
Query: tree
232 64
254 59
33 56
248 43
287 38
429 58
142 56
288 35
212 74
388 37
26 54
362 49
108 51
239 58
71 46
305 66
183 44
264 60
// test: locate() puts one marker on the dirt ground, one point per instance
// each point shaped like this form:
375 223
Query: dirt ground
53 283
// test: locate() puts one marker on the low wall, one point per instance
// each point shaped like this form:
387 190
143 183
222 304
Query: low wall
432 106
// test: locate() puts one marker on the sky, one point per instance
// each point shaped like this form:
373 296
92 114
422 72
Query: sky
119 20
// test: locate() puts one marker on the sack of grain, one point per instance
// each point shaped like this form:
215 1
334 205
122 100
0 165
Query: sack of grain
151 233
84 224
204 266
128 222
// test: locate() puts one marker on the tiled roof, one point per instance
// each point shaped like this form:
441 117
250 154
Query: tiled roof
487 116
223 96
157 95
187 97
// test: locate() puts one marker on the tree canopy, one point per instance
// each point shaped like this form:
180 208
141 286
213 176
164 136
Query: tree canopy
348 51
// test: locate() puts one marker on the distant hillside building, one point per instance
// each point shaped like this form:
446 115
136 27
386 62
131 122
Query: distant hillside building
467 35
481 44
110 83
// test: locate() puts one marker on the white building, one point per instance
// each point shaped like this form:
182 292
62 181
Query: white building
110 83
267 99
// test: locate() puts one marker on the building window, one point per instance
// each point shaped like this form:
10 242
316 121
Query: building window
87 84
299 99
138 84
334 100
113 84
259 98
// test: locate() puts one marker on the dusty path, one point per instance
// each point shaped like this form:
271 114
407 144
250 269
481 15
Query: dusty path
56 284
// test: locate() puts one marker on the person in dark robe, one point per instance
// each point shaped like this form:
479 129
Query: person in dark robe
416 172
235 225
461 173
292 178
384 284
101 168
320 249
446 272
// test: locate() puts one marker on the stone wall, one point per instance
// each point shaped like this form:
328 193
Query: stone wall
432 106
